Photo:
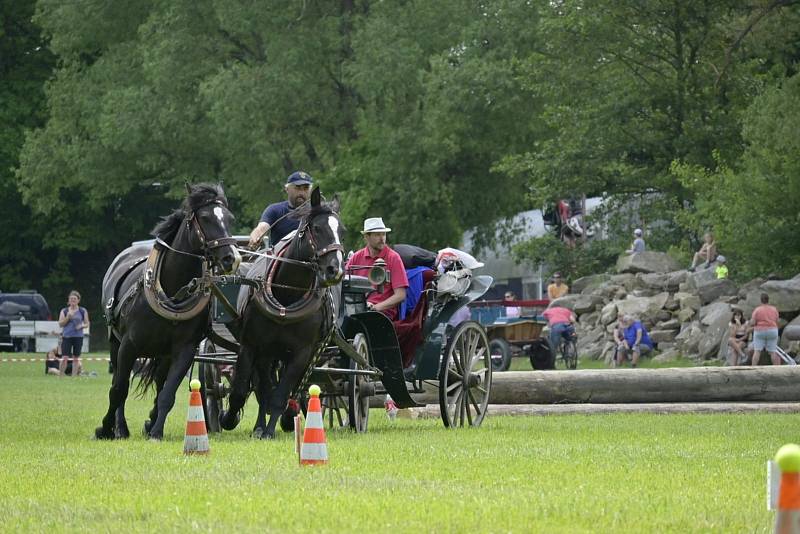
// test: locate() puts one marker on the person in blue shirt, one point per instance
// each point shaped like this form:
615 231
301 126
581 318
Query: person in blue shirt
275 218
636 341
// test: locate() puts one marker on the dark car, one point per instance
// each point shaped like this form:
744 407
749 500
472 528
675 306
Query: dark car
22 306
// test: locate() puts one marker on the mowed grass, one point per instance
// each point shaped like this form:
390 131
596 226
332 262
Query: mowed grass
609 473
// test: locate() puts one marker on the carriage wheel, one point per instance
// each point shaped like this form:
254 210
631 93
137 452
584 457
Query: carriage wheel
358 403
501 354
212 390
465 376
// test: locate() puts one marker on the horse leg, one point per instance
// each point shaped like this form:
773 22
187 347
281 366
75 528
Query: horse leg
292 374
162 367
265 386
229 419
119 389
165 399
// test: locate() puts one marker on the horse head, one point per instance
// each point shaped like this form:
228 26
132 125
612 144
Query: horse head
320 233
209 223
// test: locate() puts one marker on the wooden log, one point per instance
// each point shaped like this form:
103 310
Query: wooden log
608 386
689 384
432 411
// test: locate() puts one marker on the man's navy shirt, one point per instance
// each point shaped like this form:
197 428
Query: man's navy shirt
284 226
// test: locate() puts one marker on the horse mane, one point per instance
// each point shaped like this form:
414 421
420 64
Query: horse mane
200 195
307 211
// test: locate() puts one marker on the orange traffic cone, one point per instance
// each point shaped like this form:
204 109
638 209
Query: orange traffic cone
314 450
196 439
787 520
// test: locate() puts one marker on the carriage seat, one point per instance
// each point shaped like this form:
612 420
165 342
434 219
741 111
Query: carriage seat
409 329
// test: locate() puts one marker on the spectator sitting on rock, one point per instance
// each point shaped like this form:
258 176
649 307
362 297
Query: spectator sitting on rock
737 340
636 342
638 242
557 289
707 252
721 270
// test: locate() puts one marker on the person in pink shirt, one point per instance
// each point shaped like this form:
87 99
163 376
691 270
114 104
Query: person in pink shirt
764 323
389 299
560 321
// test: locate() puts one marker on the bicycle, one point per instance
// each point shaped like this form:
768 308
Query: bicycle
567 351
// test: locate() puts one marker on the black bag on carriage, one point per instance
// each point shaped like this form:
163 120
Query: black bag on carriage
414 256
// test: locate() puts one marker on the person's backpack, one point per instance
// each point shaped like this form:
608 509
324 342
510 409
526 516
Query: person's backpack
414 256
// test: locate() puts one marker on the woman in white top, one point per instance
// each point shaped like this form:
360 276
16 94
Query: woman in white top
512 311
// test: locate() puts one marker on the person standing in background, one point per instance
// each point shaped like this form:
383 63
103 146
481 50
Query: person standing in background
73 319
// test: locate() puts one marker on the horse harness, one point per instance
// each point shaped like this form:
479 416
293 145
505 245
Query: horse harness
190 300
312 299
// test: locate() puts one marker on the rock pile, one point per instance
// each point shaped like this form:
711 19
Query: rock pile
687 313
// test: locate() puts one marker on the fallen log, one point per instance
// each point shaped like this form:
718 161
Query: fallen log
688 384
609 386
432 411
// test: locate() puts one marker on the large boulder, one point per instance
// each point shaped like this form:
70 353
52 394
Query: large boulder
642 307
663 336
587 303
690 337
715 334
790 337
586 283
715 289
710 313
647 262
567 301
784 294
609 313
663 281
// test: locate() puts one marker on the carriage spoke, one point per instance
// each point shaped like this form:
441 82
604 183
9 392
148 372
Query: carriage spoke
452 387
474 403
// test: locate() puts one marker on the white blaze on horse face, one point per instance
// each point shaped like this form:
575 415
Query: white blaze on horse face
333 222
220 216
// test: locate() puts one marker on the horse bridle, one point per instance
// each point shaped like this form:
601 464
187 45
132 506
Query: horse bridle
317 254
193 224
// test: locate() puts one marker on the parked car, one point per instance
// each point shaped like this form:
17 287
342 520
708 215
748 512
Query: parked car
27 305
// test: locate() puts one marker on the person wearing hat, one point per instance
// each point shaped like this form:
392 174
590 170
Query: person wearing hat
557 289
638 242
275 218
360 262
721 270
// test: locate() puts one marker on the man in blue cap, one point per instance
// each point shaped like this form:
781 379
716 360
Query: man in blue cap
275 218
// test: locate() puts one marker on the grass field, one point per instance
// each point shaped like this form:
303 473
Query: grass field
618 473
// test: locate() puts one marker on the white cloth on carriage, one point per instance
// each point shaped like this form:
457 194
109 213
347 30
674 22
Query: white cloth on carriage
455 271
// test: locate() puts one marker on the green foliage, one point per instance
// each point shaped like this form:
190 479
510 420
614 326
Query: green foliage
752 207
572 262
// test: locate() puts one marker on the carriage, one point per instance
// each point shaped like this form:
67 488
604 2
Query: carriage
363 361
297 322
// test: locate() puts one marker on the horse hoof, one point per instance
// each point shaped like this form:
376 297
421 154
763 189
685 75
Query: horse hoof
148 424
228 422
102 433
122 433
155 437
258 433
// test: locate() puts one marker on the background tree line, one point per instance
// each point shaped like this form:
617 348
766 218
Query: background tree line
439 116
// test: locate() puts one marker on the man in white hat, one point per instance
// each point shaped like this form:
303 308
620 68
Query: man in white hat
360 263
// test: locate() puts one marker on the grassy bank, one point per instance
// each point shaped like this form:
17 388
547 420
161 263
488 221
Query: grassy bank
610 473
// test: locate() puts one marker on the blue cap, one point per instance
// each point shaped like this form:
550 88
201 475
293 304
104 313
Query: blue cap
299 178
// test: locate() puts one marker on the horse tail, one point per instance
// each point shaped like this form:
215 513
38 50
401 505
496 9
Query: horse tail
148 371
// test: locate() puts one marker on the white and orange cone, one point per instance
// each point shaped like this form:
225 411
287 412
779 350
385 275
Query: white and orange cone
314 450
787 520
196 439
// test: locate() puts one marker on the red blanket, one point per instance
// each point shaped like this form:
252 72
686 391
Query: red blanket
409 330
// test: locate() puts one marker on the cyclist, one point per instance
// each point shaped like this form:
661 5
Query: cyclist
561 323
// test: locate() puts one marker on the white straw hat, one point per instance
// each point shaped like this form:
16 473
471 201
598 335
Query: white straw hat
374 225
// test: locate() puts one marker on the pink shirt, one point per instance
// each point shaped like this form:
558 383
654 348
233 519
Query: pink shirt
557 315
765 317
395 266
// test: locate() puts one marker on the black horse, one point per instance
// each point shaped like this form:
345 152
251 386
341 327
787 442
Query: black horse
156 308
287 318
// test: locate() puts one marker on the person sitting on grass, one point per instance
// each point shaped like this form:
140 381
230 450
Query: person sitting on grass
53 361
636 342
